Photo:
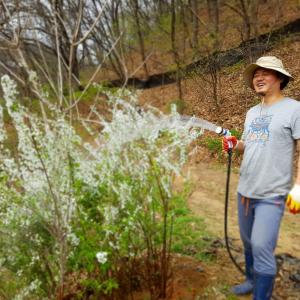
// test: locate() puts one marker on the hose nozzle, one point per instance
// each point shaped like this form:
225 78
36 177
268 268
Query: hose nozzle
222 131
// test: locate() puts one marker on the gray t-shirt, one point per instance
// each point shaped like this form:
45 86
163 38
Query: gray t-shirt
269 137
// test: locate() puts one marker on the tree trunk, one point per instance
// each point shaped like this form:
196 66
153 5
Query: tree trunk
195 23
246 19
254 6
186 34
213 13
174 49
140 37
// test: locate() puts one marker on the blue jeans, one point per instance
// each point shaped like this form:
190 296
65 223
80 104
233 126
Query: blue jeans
259 222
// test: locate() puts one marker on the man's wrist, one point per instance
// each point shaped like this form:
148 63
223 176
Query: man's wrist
237 144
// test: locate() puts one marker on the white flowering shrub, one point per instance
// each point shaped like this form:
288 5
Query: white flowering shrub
37 203
69 207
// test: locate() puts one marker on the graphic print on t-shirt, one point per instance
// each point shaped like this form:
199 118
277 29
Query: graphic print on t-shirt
259 130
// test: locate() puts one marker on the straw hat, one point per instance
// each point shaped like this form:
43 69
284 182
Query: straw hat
267 62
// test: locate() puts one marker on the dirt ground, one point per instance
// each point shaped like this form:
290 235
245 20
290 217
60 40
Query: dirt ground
214 279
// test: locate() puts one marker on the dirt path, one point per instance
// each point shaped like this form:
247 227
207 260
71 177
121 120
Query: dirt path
207 200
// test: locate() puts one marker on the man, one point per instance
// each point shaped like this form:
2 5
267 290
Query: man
270 132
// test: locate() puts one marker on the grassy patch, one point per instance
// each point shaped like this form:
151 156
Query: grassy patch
214 143
220 291
8 284
90 94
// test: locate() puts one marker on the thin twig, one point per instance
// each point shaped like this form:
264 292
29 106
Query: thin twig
93 76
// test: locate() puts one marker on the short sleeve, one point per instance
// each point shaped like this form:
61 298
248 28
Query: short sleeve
295 124
243 137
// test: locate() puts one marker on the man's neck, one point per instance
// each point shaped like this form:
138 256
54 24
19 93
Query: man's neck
271 99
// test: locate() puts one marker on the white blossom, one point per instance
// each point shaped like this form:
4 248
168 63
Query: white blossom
73 239
134 147
101 257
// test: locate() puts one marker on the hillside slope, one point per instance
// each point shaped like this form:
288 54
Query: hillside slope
235 97
208 177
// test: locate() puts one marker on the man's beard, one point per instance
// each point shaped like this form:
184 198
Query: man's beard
261 94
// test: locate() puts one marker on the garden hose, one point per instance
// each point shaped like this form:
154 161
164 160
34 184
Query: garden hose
226 213
225 132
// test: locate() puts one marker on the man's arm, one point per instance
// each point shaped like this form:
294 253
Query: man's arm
293 199
240 146
297 181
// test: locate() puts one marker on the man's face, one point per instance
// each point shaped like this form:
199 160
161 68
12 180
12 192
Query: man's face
266 81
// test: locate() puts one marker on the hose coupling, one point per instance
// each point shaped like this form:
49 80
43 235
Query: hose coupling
222 131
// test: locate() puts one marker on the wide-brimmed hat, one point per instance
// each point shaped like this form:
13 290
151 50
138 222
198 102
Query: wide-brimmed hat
267 62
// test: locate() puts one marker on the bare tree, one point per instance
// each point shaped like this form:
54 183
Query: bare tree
47 31
175 53
135 6
193 13
213 14
107 30
248 11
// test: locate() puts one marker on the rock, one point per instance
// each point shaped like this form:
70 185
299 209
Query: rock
200 269
295 277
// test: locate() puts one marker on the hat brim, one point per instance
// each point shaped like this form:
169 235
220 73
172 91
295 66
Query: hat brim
249 72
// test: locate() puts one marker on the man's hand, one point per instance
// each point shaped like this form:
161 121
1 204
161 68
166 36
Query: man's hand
229 142
293 200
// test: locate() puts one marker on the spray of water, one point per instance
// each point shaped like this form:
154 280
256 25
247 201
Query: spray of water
200 123
203 124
